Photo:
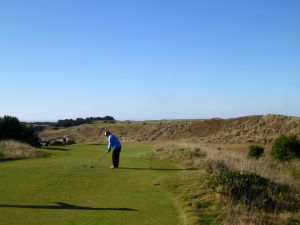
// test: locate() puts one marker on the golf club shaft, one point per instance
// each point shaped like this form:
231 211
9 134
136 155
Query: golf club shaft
100 159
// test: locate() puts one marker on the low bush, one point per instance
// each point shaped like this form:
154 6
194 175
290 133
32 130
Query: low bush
286 147
253 191
255 151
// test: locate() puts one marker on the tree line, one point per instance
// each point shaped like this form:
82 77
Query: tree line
79 121
75 122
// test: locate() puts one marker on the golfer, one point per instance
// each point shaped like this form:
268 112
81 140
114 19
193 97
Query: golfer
114 145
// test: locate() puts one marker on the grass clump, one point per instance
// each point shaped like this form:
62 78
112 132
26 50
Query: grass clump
171 152
255 151
286 147
11 149
254 191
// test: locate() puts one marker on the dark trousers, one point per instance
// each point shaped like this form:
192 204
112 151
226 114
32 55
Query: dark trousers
116 157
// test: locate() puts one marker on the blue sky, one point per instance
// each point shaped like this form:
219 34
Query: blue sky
154 59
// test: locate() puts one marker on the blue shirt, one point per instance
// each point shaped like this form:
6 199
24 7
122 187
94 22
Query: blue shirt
113 142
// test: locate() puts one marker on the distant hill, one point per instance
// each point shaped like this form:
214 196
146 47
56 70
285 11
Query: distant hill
251 129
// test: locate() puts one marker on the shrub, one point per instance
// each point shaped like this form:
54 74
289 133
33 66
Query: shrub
235 184
286 147
253 190
255 151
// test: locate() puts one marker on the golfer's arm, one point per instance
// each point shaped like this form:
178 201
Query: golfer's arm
109 144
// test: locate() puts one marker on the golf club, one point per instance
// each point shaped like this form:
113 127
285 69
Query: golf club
93 166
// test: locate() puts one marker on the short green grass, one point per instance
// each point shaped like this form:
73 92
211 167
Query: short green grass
60 191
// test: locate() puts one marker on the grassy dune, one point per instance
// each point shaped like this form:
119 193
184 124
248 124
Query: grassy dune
250 129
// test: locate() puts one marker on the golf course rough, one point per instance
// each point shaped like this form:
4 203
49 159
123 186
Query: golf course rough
60 190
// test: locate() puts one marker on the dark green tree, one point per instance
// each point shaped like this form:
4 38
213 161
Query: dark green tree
12 128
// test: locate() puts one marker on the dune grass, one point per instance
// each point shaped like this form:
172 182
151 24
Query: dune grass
250 129
11 149
60 190
244 191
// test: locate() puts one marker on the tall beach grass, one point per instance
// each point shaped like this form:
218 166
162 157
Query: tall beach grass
11 149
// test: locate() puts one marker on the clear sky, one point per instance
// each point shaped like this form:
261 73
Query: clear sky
149 59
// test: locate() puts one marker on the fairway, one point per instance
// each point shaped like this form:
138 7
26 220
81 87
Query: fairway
60 191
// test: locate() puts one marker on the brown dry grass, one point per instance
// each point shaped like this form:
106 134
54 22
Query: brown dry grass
211 156
11 149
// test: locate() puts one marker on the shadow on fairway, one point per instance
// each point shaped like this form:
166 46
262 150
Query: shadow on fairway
139 168
96 144
57 148
61 205
11 159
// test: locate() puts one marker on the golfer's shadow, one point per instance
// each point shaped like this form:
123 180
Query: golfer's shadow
65 206
162 169
57 148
